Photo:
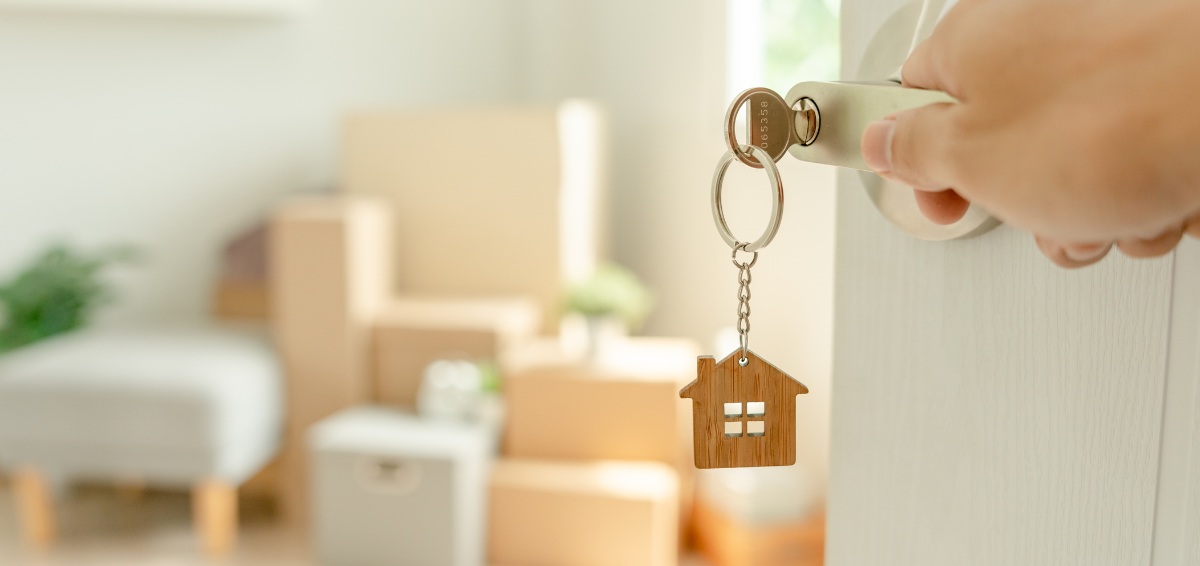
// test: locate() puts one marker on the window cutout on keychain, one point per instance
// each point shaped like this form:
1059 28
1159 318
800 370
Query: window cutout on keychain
756 428
733 428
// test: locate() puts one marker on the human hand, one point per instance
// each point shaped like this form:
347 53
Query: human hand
1076 122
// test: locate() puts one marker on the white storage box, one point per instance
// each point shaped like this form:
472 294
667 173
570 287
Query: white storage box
391 489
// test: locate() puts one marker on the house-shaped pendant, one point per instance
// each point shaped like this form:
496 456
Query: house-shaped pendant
742 415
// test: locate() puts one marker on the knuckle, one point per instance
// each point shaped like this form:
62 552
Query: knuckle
1149 248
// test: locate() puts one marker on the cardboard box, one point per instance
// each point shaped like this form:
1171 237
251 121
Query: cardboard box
330 272
522 217
727 542
625 406
555 513
410 333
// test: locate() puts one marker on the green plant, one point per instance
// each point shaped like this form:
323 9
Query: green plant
611 291
54 294
490 379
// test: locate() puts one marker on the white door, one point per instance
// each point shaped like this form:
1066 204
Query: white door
990 408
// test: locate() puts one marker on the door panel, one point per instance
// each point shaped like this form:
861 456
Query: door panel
1188 550
989 407
1177 513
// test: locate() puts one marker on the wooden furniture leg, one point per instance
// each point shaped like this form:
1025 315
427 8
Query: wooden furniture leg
215 516
35 507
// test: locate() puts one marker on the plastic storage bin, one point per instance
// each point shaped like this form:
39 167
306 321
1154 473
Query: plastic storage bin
391 489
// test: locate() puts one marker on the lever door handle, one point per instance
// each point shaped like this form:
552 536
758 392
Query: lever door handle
845 109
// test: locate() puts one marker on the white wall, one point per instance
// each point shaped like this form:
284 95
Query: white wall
175 133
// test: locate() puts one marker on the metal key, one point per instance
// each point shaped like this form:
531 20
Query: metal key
771 124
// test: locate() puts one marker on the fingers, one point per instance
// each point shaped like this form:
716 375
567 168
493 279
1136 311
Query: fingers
942 207
1072 256
919 70
1075 255
1192 226
1159 245
879 142
912 147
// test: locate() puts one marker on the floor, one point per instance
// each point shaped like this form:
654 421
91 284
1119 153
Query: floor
106 526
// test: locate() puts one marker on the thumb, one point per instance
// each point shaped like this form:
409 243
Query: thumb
912 147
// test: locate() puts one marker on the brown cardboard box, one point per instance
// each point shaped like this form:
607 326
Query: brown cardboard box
483 223
626 406
556 513
623 406
410 333
330 272
727 542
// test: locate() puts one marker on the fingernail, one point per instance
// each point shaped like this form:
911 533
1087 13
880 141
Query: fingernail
877 145
1085 252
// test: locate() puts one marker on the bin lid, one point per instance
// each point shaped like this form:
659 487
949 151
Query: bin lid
389 431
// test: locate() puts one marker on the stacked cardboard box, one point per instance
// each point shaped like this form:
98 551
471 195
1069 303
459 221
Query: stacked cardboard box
410 333
346 339
330 269
577 513
593 455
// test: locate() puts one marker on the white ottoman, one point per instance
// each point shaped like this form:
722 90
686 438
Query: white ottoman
390 489
199 407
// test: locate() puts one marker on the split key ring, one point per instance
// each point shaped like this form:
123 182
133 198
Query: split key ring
718 210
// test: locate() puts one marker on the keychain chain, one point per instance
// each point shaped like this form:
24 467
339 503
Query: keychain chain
743 310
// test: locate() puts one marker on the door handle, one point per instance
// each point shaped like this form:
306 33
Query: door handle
843 110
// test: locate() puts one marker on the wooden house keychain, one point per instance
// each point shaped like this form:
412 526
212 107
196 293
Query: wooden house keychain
743 408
